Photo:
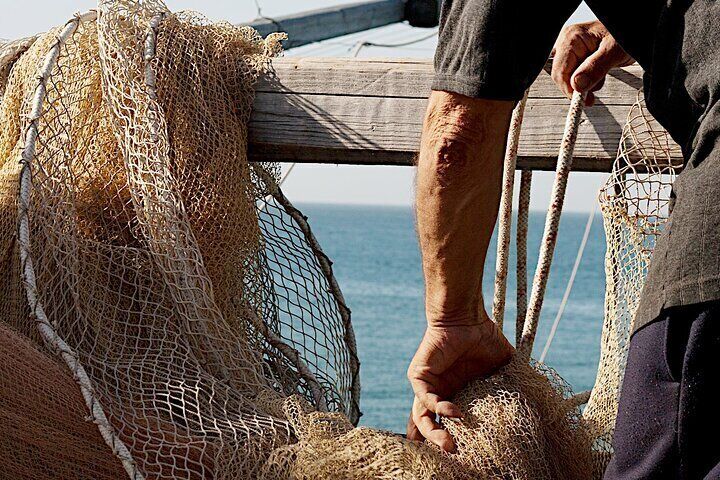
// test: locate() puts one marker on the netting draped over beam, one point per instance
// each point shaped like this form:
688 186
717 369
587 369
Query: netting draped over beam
186 313
175 311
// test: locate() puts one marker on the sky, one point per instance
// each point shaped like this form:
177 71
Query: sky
316 183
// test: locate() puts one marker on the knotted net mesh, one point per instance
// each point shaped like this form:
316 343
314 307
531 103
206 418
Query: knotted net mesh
164 289
635 204
175 273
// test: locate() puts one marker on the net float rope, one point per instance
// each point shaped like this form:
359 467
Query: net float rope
37 311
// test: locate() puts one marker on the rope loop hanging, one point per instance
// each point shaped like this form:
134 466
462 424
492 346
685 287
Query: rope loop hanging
526 336
505 223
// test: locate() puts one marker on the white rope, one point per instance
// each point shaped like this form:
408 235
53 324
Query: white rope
521 251
46 329
505 212
552 221
571 281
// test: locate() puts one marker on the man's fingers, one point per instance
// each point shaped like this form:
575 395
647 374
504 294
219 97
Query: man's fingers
590 99
447 409
433 401
425 422
571 47
564 63
598 85
591 72
412 431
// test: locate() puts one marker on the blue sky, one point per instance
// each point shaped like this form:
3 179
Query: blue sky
313 183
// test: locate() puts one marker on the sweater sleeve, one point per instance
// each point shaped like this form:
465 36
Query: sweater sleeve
494 49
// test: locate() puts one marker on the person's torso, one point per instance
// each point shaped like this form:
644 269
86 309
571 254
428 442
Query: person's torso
678 45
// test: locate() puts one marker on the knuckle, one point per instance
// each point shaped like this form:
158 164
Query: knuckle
567 30
414 373
574 36
596 69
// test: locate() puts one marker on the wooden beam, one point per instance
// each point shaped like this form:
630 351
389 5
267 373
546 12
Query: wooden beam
370 112
326 23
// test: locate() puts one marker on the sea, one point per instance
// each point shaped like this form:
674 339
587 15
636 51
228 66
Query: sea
376 261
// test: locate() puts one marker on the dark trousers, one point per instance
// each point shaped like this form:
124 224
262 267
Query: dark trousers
668 424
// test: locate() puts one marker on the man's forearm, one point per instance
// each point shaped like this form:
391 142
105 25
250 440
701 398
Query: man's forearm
458 192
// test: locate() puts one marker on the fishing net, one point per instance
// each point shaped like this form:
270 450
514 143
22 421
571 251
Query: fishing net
167 313
635 204
181 288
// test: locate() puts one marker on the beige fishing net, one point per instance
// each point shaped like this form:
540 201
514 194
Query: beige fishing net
175 281
635 204
167 313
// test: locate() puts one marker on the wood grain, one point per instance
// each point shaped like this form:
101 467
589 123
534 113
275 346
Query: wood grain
351 111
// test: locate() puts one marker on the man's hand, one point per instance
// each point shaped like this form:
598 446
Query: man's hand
459 178
449 357
583 55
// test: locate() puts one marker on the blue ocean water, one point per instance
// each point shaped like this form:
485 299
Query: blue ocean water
377 263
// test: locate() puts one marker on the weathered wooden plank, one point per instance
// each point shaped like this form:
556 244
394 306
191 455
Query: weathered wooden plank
322 24
392 124
409 78
351 111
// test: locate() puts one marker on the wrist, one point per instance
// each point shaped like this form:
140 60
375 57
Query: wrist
472 314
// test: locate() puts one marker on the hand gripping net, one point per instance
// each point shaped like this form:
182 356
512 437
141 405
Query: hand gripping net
194 318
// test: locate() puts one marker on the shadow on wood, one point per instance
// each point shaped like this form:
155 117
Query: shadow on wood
370 112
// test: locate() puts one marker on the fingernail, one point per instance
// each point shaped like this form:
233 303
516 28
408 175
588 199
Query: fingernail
582 82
